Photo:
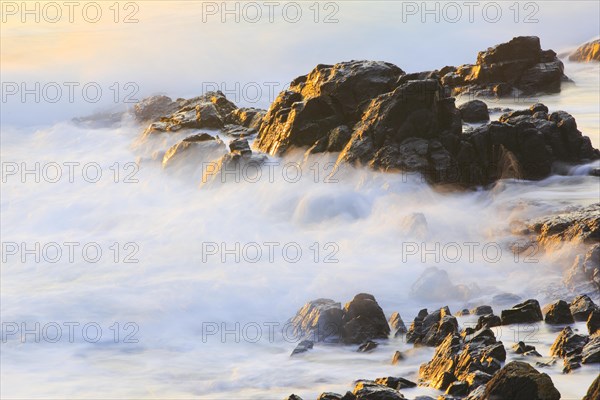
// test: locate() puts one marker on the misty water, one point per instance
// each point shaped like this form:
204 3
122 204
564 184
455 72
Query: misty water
168 289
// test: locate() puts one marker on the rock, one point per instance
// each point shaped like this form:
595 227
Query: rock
434 284
317 103
238 131
477 394
363 320
482 310
152 108
240 146
464 312
519 380
192 151
569 346
517 66
397 325
303 347
458 358
415 226
474 111
591 351
246 117
559 313
293 397
458 388
367 390
488 321
593 322
580 225
329 396
398 356
581 307
367 346
397 383
526 350
207 111
593 392
234 167
584 274
523 313
432 329
587 52
320 320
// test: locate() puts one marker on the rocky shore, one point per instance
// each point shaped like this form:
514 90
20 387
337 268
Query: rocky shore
469 362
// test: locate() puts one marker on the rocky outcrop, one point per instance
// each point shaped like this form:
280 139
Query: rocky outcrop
593 322
488 321
518 66
481 310
330 96
587 52
154 107
246 117
363 320
558 313
580 225
431 329
523 313
466 358
519 380
369 390
590 354
397 325
474 111
584 274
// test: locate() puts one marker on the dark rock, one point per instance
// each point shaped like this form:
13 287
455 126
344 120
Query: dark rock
519 65
303 347
482 310
521 348
587 52
593 322
523 313
315 104
457 358
397 383
398 356
559 313
363 320
329 396
320 320
593 392
398 327
463 312
488 321
591 351
432 329
367 346
368 390
582 306
581 224
240 146
458 388
568 343
520 381
474 111
293 397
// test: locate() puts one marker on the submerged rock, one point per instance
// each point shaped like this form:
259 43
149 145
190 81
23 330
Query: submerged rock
587 52
519 380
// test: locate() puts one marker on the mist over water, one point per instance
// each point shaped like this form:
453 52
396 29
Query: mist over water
356 230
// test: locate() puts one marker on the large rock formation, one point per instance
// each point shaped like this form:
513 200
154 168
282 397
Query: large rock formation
520 381
519 66
587 52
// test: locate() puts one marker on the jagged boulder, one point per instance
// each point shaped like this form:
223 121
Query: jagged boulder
363 320
328 97
431 329
520 381
593 392
369 390
320 320
590 354
467 358
397 325
582 306
584 274
519 65
558 313
569 346
593 322
587 52
154 107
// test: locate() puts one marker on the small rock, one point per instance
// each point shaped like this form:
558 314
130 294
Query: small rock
329 396
398 356
397 383
522 348
458 388
368 390
240 146
293 397
367 346
482 310
398 327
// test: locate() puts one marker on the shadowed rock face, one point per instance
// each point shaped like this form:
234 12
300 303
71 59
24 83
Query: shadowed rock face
519 65
587 52
519 380
593 392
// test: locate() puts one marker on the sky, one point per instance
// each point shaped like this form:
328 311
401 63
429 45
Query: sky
250 50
